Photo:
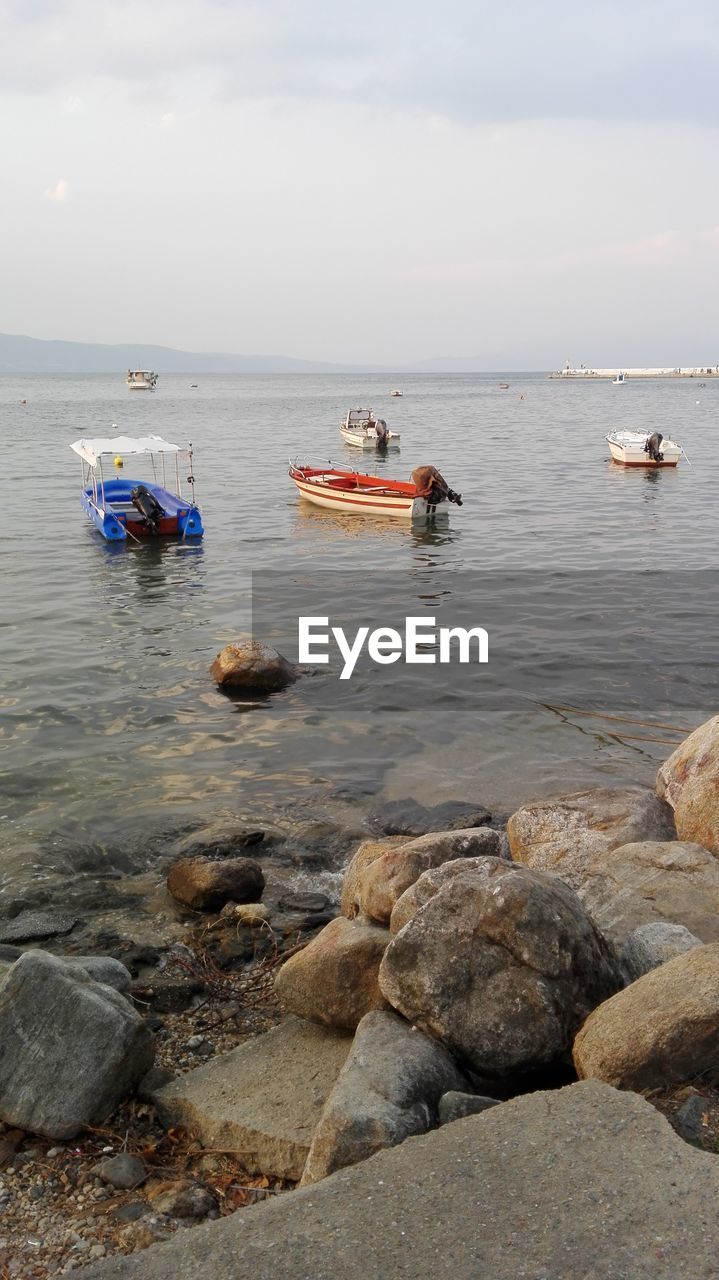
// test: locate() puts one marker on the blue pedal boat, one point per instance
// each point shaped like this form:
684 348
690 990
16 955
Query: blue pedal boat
125 508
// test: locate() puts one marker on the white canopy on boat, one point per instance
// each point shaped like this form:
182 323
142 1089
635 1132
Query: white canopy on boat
92 450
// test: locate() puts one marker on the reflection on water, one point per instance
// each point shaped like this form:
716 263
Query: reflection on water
110 727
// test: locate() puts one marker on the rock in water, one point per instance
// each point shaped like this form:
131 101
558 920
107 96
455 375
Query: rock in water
653 944
689 782
565 835
663 1029
500 963
253 667
333 980
409 818
388 1089
70 1049
30 926
206 885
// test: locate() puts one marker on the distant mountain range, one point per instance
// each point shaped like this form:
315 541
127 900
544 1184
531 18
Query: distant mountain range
19 354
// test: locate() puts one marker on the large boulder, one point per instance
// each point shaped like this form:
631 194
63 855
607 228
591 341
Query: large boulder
653 880
333 980
689 782
206 885
367 853
566 834
252 667
500 963
582 1183
262 1100
663 1029
388 1089
384 879
70 1048
653 944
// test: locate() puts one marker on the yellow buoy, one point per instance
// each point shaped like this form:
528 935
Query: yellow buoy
118 461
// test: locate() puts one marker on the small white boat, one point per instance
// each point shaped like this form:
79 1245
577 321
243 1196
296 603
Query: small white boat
395 393
364 431
141 379
504 386
617 382
643 449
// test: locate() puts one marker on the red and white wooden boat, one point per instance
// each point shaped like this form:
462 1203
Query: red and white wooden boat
340 489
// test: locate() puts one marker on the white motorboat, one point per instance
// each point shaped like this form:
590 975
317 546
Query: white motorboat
617 382
361 429
395 393
141 379
643 449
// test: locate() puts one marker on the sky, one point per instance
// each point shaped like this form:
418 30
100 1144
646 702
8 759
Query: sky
379 182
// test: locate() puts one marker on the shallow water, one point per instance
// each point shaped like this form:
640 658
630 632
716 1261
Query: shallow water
586 575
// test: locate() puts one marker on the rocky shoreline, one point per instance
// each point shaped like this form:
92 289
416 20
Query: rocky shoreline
227 1035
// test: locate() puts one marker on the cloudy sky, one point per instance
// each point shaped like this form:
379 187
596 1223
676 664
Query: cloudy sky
381 181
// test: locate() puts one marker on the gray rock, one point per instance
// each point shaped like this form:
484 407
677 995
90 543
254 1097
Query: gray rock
583 1183
388 1089
566 834
457 1106
32 926
688 1120
500 963
122 1171
653 944
102 969
70 1049
156 1079
262 1100
410 818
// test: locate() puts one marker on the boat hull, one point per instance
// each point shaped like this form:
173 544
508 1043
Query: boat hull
363 440
118 520
631 454
369 502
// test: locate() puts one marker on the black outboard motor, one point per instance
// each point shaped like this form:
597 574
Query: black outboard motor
148 506
653 445
382 432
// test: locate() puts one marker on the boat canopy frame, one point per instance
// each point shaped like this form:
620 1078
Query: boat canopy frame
92 451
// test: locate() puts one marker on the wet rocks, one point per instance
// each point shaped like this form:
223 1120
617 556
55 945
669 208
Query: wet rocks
388 1089
689 782
206 885
663 1029
653 880
653 944
34 926
500 963
252 667
409 818
70 1049
566 834
333 980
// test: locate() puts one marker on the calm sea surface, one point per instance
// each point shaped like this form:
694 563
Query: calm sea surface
601 579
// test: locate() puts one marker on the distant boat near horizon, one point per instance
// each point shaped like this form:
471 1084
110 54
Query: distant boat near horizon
141 379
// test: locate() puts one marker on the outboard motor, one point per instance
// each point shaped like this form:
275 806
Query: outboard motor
433 487
148 506
653 445
381 432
